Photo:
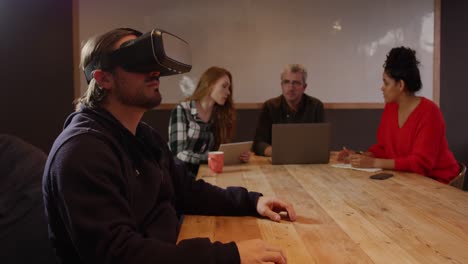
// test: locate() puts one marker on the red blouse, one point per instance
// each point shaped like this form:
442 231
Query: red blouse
419 145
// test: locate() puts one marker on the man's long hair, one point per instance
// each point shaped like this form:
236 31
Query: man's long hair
95 48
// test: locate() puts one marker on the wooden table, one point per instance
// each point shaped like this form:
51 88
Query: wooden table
343 216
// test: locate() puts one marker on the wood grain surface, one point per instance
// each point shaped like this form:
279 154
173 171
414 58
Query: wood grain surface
343 216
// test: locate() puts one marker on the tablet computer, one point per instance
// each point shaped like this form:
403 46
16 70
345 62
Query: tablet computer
232 151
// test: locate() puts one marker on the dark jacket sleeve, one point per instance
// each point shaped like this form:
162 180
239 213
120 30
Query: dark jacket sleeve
98 217
200 197
319 113
263 133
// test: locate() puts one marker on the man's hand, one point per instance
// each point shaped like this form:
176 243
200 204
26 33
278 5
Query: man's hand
268 151
259 251
271 206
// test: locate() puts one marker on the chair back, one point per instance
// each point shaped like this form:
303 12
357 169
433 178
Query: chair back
459 181
23 228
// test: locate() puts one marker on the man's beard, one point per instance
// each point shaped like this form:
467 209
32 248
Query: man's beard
139 99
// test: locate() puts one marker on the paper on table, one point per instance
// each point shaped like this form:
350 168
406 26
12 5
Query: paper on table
348 166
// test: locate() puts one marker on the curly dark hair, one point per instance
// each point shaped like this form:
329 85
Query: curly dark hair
401 64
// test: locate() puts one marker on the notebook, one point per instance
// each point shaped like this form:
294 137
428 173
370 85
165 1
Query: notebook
232 151
307 143
348 166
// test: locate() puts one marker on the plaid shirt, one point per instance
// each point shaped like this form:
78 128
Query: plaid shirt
190 138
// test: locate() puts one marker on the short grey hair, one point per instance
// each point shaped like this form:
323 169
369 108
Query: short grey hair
295 68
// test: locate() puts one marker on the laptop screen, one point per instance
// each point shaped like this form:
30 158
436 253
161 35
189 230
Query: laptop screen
305 143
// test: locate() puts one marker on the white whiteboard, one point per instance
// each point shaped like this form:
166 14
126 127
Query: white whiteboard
342 43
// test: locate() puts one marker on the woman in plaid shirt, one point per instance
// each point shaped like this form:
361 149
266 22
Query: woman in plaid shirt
204 120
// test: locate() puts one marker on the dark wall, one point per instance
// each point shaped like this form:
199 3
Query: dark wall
36 69
453 72
347 126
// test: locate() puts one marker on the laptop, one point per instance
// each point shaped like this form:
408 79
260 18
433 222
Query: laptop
306 143
232 151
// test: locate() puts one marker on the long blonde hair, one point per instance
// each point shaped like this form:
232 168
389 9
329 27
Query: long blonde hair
223 117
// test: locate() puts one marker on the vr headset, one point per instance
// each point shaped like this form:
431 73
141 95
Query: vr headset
156 50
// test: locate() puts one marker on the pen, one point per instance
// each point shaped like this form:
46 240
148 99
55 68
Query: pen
357 151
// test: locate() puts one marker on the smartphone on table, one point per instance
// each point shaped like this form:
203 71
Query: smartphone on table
381 176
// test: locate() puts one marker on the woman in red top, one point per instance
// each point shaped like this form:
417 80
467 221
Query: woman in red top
411 134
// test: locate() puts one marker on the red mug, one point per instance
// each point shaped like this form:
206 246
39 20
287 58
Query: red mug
216 161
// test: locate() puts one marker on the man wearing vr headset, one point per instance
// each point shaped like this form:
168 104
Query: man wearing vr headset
111 186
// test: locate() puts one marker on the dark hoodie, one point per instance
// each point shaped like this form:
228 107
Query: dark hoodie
112 197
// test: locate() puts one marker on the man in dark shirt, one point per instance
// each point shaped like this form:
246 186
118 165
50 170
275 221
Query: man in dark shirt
293 106
111 187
